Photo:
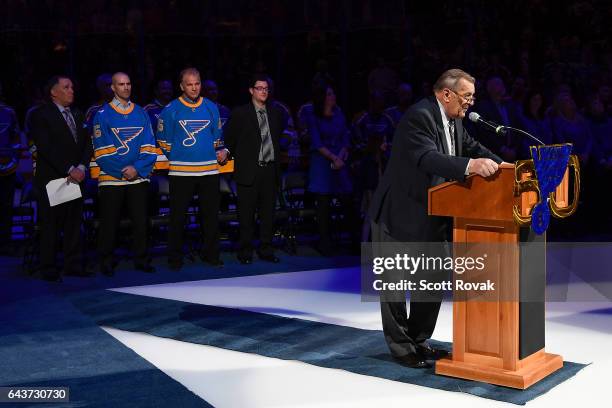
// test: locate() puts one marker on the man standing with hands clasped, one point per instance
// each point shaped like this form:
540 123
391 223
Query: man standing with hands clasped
124 148
430 147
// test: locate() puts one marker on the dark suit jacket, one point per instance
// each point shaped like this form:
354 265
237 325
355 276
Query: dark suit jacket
243 140
419 160
55 146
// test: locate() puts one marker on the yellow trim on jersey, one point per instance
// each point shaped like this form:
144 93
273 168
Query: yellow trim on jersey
227 167
94 170
105 151
148 149
164 145
122 111
106 177
191 105
193 169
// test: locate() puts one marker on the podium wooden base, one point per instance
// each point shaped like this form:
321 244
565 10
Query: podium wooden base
529 374
499 338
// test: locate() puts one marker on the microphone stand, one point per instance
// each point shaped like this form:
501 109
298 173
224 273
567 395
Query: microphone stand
532 137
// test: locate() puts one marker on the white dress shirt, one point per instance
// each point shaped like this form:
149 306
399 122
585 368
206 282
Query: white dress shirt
448 136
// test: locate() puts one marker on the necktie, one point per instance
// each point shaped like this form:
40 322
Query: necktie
451 131
70 122
266 152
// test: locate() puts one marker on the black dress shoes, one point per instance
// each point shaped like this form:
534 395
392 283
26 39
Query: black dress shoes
245 259
269 258
413 360
144 268
431 353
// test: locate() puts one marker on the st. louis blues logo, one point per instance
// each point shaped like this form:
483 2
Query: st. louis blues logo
549 164
124 135
192 128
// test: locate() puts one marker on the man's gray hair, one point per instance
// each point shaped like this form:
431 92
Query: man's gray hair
449 79
188 71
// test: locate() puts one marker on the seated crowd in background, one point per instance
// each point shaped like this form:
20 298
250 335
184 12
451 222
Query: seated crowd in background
341 159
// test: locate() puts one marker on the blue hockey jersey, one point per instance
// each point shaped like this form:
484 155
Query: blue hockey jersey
189 134
122 138
90 114
224 114
154 109
9 132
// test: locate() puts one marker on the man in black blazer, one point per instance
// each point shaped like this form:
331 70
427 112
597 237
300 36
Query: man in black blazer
252 137
430 146
64 150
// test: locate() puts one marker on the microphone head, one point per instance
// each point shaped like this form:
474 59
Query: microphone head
473 116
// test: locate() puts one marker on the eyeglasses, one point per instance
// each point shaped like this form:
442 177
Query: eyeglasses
261 88
467 98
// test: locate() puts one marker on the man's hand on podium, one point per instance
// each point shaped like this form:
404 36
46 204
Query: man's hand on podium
482 167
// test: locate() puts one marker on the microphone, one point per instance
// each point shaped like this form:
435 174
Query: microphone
499 129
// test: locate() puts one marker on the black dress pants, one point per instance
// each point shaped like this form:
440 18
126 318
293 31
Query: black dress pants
258 197
64 218
182 190
112 200
404 332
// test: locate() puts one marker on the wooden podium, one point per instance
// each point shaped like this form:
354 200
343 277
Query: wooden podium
501 341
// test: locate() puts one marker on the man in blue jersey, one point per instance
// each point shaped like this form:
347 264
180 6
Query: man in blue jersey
124 148
188 132
9 159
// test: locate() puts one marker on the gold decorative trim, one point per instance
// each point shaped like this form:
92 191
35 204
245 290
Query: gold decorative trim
571 209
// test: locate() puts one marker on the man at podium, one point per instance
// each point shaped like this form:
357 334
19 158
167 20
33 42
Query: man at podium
430 147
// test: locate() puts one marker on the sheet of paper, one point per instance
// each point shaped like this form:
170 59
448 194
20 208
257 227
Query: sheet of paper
60 191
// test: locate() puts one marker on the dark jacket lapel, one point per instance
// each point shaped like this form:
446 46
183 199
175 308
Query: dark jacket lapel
254 123
459 136
58 119
435 110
